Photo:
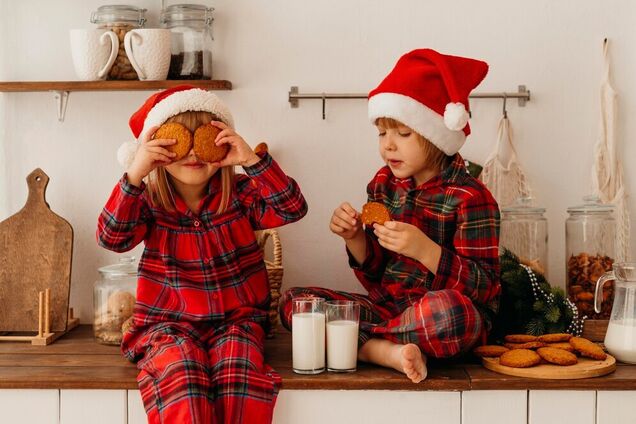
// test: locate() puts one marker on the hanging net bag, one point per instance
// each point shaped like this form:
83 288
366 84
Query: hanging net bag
502 172
607 171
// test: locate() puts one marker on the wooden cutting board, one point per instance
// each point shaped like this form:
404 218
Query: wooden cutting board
36 248
586 368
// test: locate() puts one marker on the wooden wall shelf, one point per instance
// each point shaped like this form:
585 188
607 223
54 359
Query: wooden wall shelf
20 86
62 89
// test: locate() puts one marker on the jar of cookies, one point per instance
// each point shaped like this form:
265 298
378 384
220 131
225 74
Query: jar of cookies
524 231
590 238
191 47
120 19
114 300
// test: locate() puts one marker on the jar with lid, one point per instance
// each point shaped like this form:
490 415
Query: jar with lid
120 19
191 46
114 300
524 231
590 239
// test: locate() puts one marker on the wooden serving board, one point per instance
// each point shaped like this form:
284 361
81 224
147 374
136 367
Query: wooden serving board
36 247
585 368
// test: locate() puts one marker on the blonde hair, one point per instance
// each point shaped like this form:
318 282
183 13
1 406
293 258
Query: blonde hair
435 158
159 186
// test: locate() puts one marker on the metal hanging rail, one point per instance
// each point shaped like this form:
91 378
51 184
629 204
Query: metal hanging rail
522 95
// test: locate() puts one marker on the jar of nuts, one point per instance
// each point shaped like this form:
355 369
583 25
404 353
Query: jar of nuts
590 237
120 19
524 231
191 46
114 300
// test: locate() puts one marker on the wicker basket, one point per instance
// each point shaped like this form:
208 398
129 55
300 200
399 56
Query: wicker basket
274 273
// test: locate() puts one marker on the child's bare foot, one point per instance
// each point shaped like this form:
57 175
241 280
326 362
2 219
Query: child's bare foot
413 363
407 359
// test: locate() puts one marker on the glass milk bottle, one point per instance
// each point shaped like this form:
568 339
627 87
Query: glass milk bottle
308 335
620 339
524 231
590 237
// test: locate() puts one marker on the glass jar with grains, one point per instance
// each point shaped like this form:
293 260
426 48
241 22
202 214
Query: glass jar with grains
120 19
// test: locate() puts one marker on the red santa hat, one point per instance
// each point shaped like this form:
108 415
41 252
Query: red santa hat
165 104
428 91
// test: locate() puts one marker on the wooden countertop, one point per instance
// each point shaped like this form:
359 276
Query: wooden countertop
76 361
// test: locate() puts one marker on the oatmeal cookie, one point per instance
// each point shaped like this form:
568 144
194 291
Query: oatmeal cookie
527 345
520 338
204 146
563 345
520 358
557 356
374 212
588 348
555 338
490 351
173 130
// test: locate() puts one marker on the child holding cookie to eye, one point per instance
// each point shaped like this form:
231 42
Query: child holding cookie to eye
432 269
201 311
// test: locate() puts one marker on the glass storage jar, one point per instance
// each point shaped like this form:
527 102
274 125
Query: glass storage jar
114 300
524 231
191 47
120 19
590 239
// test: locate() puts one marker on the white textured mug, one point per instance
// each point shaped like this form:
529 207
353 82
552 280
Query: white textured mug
94 51
149 52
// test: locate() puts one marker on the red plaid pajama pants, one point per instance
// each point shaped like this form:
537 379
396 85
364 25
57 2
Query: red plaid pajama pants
218 375
443 323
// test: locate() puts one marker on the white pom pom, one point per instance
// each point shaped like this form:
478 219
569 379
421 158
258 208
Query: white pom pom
126 153
455 116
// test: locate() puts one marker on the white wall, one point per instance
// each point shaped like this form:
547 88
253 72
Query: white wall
554 47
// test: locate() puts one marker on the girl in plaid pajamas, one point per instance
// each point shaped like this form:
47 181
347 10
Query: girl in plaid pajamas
432 271
202 296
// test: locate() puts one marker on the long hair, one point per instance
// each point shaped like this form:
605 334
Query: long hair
159 185
435 158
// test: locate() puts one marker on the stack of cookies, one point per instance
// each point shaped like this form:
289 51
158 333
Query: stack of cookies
523 350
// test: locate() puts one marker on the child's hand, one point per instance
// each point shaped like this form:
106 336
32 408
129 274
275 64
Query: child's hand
402 238
150 154
345 221
240 153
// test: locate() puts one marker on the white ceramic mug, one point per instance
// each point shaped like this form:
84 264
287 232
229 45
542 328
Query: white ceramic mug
94 51
149 52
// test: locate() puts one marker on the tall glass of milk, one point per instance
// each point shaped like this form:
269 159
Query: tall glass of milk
620 339
343 318
308 335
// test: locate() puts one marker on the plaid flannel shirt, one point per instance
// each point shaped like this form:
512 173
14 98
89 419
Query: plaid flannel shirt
457 212
202 267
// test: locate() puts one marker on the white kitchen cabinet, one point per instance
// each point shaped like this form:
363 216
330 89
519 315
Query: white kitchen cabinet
616 407
479 406
366 406
93 406
29 406
561 406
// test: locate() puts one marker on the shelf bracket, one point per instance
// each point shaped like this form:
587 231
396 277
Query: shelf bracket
61 97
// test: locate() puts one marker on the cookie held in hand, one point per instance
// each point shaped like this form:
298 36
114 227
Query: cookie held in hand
204 146
173 130
374 212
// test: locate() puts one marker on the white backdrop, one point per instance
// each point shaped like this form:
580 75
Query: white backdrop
553 47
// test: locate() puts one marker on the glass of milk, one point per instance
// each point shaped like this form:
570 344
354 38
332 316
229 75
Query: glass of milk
308 335
343 318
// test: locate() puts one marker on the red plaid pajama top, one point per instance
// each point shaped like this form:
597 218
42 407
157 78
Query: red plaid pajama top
205 267
457 212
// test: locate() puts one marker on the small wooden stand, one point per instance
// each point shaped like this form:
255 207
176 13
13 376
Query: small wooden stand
44 336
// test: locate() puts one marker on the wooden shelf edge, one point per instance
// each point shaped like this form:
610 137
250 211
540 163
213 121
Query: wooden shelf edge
25 86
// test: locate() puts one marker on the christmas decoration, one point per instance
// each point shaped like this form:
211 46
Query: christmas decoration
530 305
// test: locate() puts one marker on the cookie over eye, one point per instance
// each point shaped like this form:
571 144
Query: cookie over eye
173 130
204 146
374 212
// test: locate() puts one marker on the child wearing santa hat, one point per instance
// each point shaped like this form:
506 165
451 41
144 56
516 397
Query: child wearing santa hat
432 271
202 296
